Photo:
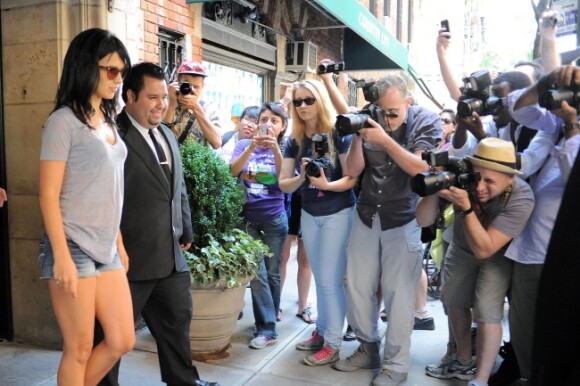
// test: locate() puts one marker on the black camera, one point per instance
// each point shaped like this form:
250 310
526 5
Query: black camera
369 89
319 159
335 67
552 99
476 91
351 123
185 88
458 172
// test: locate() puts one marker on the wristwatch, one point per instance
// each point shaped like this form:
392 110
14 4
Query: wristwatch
570 126
464 213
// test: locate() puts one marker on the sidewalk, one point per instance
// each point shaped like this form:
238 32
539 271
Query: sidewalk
279 365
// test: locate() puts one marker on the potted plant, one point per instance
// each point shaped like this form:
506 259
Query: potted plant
223 258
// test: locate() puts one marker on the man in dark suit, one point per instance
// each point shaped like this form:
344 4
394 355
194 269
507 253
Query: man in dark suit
156 225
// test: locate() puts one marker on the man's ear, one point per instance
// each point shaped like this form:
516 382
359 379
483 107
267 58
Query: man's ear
131 96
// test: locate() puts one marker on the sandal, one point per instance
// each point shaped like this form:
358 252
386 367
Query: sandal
306 315
279 315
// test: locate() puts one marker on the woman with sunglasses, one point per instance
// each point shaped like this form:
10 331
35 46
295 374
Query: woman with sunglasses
259 160
81 197
327 211
448 124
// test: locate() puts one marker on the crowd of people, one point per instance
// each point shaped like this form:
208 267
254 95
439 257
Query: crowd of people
349 198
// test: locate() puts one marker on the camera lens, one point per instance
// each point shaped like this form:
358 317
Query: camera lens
185 88
466 107
312 169
347 124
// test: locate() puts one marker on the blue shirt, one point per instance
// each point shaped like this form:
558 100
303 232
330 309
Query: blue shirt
318 202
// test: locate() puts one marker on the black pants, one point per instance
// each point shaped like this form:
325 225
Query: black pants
165 305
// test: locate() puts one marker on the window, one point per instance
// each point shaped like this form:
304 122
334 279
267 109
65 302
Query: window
387 10
372 6
170 52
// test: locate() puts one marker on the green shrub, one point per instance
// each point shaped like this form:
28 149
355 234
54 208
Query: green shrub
221 254
214 195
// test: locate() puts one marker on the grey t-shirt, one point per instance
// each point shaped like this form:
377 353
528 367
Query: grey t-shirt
91 198
511 221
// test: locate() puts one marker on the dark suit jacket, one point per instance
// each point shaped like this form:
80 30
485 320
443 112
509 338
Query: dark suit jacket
155 219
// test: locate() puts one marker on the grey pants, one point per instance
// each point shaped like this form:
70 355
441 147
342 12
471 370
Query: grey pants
393 258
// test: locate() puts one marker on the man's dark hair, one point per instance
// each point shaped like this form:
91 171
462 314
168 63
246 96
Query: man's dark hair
516 80
538 69
81 73
135 78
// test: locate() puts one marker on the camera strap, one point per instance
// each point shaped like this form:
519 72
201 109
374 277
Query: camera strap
187 129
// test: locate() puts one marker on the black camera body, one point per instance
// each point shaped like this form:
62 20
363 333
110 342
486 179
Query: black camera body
458 172
552 99
334 67
185 88
369 89
476 91
351 123
319 159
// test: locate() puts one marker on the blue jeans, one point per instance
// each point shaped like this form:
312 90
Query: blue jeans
266 285
325 240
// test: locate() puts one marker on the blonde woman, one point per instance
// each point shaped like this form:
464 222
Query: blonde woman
314 163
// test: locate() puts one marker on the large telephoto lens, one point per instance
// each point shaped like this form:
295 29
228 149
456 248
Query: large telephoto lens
347 124
466 107
426 184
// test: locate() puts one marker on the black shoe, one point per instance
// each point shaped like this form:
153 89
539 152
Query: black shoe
424 324
508 371
199 382
349 335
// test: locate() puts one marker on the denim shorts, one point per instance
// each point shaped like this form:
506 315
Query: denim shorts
86 266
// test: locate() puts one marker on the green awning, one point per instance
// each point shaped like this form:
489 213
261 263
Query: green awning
367 43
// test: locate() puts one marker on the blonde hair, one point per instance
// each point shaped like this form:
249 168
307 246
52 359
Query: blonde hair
326 114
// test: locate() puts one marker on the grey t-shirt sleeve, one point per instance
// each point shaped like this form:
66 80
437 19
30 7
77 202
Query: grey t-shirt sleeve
57 136
513 219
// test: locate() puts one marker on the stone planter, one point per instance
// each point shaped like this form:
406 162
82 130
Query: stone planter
214 318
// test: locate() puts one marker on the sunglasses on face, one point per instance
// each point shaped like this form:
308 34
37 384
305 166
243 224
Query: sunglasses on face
446 121
113 72
298 102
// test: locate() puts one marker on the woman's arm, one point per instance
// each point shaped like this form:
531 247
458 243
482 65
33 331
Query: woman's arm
288 181
50 184
237 165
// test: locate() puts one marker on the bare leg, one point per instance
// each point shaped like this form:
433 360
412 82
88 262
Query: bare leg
460 322
421 297
114 310
488 342
285 258
304 276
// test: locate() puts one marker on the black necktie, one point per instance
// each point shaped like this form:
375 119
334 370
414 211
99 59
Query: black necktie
161 155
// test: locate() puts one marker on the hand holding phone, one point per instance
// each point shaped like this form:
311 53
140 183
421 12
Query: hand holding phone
445 25
263 130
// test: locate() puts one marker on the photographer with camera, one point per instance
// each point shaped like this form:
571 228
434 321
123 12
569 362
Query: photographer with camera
489 213
315 164
529 250
187 115
389 156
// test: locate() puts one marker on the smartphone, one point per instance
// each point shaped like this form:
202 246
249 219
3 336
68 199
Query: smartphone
263 130
445 25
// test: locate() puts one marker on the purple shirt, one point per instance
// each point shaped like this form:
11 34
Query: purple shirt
265 199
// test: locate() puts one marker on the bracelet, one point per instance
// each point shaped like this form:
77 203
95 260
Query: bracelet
464 213
570 126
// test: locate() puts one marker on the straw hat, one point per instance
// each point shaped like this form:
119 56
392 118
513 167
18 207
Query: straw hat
495 154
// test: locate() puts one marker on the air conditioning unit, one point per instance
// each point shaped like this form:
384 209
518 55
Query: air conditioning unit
301 56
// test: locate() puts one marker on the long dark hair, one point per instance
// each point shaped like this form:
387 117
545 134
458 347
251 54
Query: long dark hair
81 73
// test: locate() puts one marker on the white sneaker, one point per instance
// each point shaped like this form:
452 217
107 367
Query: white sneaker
262 341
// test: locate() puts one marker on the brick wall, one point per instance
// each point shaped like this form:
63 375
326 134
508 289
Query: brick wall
175 15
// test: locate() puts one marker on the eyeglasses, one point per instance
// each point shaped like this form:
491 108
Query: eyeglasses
248 121
446 121
298 102
113 72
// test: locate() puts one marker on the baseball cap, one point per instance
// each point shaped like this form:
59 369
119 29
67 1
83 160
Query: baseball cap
191 67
